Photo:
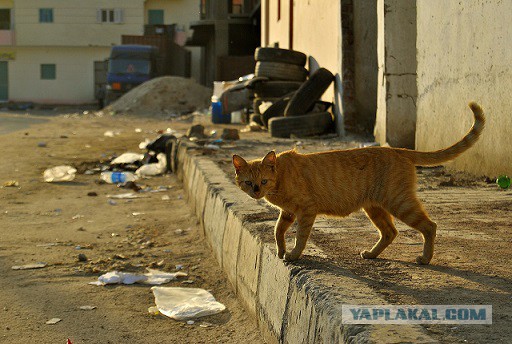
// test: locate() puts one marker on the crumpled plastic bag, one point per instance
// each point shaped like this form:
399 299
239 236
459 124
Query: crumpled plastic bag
127 158
151 277
185 303
153 169
59 174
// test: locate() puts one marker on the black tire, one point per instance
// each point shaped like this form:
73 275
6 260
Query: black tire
276 109
257 102
307 125
310 91
256 119
281 71
275 88
280 55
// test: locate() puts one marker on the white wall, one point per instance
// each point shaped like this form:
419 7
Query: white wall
74 81
465 53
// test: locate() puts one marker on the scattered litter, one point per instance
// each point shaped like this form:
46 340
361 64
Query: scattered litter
179 267
153 169
368 144
138 214
29 266
153 310
188 282
77 216
82 257
59 174
128 195
87 308
196 131
144 143
230 134
138 130
151 277
185 303
112 202
118 177
127 158
11 183
47 245
53 321
212 147
166 198
179 231
41 144
503 182
190 322
111 133
206 324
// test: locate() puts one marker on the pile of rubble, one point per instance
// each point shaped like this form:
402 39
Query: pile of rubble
167 95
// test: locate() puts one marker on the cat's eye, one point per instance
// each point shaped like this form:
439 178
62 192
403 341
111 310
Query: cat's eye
263 181
248 182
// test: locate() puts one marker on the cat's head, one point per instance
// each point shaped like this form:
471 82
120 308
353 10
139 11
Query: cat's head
257 178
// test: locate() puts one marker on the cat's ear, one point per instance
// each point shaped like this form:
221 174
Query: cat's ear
239 163
270 159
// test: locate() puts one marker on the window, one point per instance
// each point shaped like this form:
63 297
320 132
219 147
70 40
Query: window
48 72
5 19
155 17
46 15
109 15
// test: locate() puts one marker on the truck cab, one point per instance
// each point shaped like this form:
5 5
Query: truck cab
128 67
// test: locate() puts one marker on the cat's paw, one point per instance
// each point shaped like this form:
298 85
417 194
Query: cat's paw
280 254
367 255
422 260
290 257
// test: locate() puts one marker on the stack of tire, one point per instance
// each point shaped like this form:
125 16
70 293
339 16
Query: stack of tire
296 109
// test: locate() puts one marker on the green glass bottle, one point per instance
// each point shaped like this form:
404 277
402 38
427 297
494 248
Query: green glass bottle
503 182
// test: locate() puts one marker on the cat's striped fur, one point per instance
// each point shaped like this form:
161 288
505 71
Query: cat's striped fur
381 180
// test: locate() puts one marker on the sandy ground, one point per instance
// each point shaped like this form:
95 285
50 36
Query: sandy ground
471 264
55 222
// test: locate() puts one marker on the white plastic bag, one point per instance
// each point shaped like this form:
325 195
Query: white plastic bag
185 303
127 158
153 169
151 277
59 174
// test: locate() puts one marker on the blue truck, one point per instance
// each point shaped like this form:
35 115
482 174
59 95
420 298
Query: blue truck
129 65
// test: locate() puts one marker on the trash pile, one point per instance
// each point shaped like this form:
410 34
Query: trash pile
167 95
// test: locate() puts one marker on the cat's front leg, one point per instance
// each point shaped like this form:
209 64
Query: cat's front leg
283 223
305 223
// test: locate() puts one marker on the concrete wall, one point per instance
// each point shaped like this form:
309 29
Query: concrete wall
396 89
316 32
24 74
465 53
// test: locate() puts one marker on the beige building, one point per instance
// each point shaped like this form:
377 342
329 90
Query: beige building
405 70
48 47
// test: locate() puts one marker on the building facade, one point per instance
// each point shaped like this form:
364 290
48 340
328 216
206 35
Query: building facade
48 47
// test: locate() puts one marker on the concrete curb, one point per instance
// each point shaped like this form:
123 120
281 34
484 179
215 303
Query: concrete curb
293 303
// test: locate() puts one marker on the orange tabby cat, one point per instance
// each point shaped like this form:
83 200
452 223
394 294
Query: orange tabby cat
380 180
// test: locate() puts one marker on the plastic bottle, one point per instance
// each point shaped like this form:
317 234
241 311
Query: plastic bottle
118 177
503 182
217 116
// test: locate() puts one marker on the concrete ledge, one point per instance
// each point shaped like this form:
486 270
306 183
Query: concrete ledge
293 303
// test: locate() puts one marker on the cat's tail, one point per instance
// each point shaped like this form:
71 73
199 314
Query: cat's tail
446 154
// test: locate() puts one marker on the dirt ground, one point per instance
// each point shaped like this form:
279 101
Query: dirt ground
471 264
55 222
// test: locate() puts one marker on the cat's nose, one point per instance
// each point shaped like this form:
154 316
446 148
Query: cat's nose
256 188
